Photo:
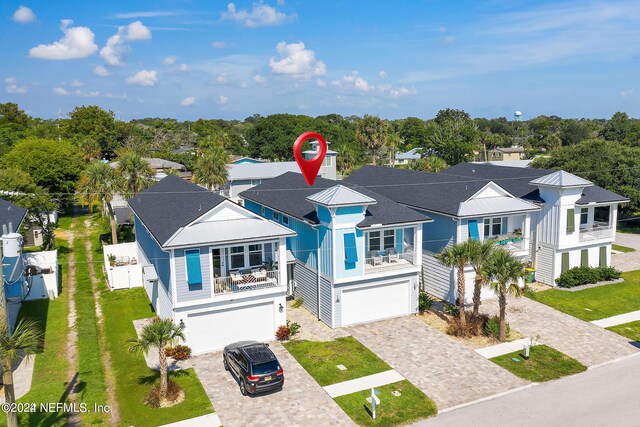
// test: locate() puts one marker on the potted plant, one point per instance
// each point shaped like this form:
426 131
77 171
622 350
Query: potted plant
112 260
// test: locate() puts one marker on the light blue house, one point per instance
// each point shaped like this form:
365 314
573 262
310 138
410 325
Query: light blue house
356 255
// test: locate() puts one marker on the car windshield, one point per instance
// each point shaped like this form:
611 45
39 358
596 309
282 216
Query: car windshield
267 367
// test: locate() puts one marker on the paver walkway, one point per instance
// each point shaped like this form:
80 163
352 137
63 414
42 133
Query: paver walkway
363 383
620 319
209 420
22 376
445 370
504 348
581 340
311 328
302 402
631 260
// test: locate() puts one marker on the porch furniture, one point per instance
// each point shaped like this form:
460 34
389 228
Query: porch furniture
375 257
393 255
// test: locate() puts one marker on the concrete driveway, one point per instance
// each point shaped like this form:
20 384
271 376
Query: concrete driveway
445 370
302 402
631 260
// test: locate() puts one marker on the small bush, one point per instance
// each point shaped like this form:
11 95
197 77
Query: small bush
578 276
451 309
294 327
297 303
283 333
492 327
179 352
153 398
424 302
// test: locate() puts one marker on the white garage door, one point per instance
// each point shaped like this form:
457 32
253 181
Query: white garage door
375 302
213 330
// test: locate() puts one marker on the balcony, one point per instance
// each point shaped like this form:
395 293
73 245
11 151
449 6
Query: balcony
248 280
595 231
381 261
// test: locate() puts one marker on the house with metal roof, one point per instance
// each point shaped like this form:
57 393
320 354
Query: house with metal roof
210 264
407 157
356 255
551 219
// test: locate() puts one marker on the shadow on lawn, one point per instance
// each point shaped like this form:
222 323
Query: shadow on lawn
51 418
155 376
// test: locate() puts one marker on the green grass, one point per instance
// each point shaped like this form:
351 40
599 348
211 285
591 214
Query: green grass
320 359
595 303
411 405
544 364
624 249
630 330
30 249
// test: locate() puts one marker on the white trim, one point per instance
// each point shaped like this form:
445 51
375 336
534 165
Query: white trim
499 190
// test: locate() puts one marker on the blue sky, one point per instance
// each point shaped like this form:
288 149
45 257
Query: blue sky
193 59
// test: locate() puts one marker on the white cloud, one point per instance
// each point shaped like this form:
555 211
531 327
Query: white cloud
297 61
76 83
101 71
261 15
117 45
76 43
321 83
259 79
11 80
24 15
398 92
188 101
222 100
112 96
183 67
222 77
354 81
143 78
60 91
627 93
15 89
449 39
145 14
218 45
382 74
169 60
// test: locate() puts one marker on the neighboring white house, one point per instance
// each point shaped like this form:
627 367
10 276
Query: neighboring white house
409 156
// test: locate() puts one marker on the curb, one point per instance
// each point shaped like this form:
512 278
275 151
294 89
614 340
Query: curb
484 399
612 361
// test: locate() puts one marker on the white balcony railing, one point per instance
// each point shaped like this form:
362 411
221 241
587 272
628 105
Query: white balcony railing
595 231
384 261
249 281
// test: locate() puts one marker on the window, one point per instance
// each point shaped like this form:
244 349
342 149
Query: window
237 257
216 262
389 239
584 258
382 240
565 262
255 255
492 227
473 229
374 241
584 216
285 219
326 161
256 181
601 214
571 220
350 250
276 215
194 270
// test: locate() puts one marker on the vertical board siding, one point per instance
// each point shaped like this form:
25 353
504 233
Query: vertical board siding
326 253
325 301
439 233
306 287
182 287
438 279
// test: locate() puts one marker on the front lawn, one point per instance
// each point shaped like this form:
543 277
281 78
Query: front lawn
410 406
630 330
621 248
320 359
595 303
544 364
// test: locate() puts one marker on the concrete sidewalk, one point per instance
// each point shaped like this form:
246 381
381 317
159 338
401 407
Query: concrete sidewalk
504 348
363 383
618 320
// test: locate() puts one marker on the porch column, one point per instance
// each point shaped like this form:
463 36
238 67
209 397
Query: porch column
282 262
417 245
613 221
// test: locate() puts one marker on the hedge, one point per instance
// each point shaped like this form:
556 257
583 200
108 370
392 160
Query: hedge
584 275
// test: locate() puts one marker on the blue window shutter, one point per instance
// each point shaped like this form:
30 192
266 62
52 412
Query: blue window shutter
194 271
473 229
350 250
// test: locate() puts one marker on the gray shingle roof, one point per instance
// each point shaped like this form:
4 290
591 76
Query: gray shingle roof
10 213
170 204
288 194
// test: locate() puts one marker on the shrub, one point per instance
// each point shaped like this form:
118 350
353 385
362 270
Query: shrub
297 302
492 327
451 309
178 352
153 398
283 333
578 276
424 302
294 327
473 327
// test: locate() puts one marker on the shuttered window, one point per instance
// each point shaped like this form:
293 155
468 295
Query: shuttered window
565 262
571 221
473 229
194 271
584 258
603 256
350 250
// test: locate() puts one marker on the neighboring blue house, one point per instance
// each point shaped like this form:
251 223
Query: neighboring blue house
356 255
210 264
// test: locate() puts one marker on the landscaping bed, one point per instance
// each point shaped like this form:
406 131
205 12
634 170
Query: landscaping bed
630 330
320 359
544 364
411 405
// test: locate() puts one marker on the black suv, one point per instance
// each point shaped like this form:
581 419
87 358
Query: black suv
254 365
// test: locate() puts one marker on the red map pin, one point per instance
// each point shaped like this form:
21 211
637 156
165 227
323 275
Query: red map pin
311 167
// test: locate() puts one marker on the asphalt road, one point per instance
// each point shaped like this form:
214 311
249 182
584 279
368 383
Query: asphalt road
604 396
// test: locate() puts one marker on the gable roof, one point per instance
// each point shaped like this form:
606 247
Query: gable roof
288 194
171 204
561 179
10 213
339 195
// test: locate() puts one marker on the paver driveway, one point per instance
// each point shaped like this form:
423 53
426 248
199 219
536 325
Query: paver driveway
445 370
585 342
302 402
627 261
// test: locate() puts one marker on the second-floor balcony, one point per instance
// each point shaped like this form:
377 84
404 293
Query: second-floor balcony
595 231
246 280
390 259
513 242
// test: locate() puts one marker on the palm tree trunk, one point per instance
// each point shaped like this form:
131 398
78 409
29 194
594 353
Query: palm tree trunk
9 392
502 300
373 156
463 318
163 372
477 291
114 227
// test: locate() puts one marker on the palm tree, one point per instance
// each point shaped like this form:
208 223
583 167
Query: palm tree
479 255
160 333
134 172
504 270
457 256
25 341
98 184
393 140
371 133
211 165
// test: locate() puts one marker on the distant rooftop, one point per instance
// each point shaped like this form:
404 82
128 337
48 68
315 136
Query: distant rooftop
265 170
157 163
413 154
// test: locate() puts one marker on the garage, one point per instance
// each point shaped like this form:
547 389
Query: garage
213 330
375 302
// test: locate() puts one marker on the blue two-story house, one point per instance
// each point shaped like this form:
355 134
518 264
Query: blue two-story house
356 255
210 264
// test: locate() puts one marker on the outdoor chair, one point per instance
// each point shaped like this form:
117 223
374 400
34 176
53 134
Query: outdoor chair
393 255
376 258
